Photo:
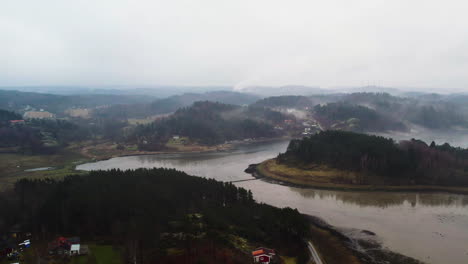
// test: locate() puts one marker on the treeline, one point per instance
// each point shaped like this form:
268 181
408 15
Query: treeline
355 117
208 123
149 211
19 101
408 162
37 136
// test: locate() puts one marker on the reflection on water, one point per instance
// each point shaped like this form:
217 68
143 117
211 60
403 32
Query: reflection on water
386 199
414 224
224 166
432 227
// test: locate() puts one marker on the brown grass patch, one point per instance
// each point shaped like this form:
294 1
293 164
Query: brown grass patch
331 248
328 178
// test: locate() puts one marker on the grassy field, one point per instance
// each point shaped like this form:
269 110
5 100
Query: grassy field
310 176
13 166
327 178
289 260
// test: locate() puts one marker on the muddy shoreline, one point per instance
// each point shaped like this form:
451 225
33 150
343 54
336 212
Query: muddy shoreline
363 244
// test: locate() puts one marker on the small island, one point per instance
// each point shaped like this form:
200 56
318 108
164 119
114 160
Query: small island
348 160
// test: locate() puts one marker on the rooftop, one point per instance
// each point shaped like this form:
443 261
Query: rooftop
263 251
75 247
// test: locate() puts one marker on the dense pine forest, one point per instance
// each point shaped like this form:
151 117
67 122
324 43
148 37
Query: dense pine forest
152 212
406 162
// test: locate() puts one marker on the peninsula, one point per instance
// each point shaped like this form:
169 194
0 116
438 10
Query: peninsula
348 160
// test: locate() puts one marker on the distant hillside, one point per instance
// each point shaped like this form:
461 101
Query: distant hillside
57 104
37 136
432 111
354 118
284 90
371 89
438 112
210 123
171 104
292 101
160 91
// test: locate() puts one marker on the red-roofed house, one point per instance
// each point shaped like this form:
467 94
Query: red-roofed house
263 255
16 121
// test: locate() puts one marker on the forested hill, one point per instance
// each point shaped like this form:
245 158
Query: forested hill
151 213
355 118
19 101
428 110
210 123
37 136
173 103
293 101
407 162
434 112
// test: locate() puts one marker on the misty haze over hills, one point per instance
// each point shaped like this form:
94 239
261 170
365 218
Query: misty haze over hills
265 91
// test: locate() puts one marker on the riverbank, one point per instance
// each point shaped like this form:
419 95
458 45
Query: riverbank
322 177
107 150
352 247
15 166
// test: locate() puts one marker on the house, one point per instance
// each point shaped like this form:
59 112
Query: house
263 255
16 122
175 137
40 114
63 246
74 249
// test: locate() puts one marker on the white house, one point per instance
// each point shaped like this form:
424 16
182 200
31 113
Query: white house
74 249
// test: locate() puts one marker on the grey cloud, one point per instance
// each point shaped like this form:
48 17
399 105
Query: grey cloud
419 43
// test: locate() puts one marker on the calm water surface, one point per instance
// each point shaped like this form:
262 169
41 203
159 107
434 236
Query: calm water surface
432 227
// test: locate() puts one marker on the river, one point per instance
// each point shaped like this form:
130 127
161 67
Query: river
431 227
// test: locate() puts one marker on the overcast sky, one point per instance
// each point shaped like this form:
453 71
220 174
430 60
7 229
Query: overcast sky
327 43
